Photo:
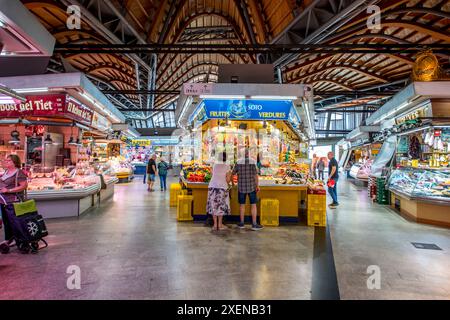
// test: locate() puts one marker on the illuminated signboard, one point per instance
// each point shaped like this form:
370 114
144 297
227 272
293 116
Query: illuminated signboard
248 109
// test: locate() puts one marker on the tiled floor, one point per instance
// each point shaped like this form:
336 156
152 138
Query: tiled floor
133 248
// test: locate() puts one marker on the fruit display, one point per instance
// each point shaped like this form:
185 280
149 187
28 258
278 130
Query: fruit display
197 173
294 168
316 186
288 156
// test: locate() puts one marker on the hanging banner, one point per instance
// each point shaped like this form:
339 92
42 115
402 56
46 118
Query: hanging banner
248 109
141 142
43 106
100 122
50 105
78 112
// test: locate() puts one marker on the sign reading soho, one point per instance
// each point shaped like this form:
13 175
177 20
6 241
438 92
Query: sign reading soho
52 105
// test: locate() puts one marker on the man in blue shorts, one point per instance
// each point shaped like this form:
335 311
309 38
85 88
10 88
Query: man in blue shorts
151 172
247 173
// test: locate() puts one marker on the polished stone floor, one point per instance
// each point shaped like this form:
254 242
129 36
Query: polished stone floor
133 248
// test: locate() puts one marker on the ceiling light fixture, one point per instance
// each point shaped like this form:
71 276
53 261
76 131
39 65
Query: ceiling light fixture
48 140
31 90
14 137
273 97
225 96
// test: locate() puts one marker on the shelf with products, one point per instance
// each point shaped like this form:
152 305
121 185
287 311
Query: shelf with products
425 149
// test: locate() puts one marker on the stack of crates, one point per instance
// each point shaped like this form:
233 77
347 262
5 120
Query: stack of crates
382 192
372 188
270 212
184 208
317 210
175 190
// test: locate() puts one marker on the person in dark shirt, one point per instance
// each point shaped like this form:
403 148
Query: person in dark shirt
333 175
151 172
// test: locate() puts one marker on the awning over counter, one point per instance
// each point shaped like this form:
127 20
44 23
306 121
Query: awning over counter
384 156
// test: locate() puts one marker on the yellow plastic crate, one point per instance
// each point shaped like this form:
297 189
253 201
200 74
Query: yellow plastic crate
270 212
175 189
184 208
317 218
317 201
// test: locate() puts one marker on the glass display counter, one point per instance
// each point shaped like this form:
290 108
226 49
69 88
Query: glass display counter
64 191
422 194
122 168
361 171
427 185
108 179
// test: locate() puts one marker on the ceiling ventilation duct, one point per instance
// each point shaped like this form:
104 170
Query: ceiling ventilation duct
25 45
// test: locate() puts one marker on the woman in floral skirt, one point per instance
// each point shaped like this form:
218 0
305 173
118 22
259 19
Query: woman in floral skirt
218 203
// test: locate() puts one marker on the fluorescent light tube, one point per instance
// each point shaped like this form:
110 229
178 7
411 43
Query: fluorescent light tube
225 96
274 97
30 90
7 100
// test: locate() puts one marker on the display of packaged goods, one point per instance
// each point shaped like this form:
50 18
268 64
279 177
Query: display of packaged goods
421 183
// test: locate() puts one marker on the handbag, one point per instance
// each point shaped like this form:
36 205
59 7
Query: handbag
331 183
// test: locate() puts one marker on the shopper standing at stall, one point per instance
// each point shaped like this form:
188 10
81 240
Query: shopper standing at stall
321 167
163 167
314 165
151 172
218 204
248 185
12 185
333 176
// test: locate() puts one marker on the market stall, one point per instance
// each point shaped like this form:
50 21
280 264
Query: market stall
112 153
46 131
360 152
419 118
268 128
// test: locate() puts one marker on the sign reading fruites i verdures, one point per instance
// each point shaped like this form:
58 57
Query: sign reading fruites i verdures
52 105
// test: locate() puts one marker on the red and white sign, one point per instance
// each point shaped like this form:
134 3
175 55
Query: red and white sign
78 112
48 105
52 105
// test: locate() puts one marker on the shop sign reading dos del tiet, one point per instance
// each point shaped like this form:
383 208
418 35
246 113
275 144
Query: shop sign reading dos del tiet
52 105
48 105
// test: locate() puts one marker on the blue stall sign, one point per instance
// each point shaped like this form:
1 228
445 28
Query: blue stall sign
248 109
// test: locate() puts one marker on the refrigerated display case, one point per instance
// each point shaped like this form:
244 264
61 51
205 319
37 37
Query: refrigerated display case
108 179
428 185
63 191
361 171
422 194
